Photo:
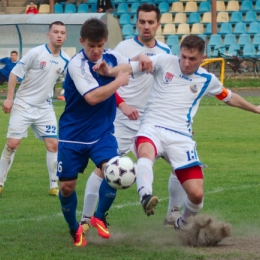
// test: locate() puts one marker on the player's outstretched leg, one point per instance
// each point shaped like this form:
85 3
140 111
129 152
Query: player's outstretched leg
51 161
149 203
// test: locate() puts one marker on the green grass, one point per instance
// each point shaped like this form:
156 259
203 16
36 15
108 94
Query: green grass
32 226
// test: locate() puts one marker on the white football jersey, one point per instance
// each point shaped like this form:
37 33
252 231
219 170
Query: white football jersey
39 69
137 91
174 97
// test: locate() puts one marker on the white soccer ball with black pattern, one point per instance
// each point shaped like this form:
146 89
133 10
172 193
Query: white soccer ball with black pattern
121 172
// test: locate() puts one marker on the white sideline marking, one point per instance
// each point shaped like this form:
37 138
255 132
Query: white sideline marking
56 215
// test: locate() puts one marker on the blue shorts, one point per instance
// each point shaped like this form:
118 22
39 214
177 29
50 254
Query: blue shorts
73 157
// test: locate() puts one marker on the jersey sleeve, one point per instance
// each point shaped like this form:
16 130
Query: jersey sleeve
82 77
25 63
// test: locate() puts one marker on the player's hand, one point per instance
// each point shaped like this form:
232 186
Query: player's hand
101 68
122 78
145 63
258 109
7 106
129 111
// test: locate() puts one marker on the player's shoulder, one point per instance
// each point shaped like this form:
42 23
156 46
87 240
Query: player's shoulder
76 59
64 55
162 47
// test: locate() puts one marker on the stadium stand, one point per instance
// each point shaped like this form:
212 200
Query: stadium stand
169 29
240 28
58 9
233 48
172 40
232 6
204 7
249 50
197 28
246 6
250 16
206 17
180 18
220 6
194 18
166 18
191 7
124 19
83 8
183 28
222 17
225 28
44 9
236 17
177 7
243 39
70 8
229 39
254 27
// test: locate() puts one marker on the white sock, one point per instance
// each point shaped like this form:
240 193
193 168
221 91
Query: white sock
91 196
189 209
6 162
176 193
144 179
51 160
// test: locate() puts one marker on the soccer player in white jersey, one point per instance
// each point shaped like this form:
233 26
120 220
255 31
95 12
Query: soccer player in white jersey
39 68
179 85
135 94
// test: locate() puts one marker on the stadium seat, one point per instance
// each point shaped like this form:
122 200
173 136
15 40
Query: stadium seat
172 40
232 6
93 7
133 7
121 8
229 39
44 9
169 29
134 20
203 36
222 17
246 6
160 37
256 39
212 52
58 9
206 17
183 28
70 8
249 51
177 7
197 28
180 18
257 6
243 39
250 16
175 49
124 19
220 6
82 8
225 28
233 48
208 29
240 28
166 18
236 17
164 7
194 18
127 29
215 39
254 28
190 7
204 7
159 30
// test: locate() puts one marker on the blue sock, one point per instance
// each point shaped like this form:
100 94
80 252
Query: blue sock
68 207
107 195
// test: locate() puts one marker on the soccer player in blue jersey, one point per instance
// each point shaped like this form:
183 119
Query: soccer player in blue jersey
86 125
9 62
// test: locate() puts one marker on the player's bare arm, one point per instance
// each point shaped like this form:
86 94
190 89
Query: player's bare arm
129 111
104 92
8 103
239 102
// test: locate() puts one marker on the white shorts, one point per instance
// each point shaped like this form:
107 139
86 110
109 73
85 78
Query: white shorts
125 131
177 149
42 120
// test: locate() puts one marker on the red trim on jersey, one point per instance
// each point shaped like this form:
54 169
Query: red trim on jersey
143 139
194 172
119 100
223 94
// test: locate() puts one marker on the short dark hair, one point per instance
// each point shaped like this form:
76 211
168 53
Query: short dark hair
94 30
14 52
149 8
193 42
57 23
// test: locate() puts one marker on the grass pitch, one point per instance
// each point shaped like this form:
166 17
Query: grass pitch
32 225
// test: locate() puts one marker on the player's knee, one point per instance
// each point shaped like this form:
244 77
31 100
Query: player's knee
66 189
196 196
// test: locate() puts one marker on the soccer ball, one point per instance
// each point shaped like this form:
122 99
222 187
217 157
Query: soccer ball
120 172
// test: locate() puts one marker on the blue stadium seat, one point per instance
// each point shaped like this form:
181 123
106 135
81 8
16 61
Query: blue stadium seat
194 18
58 9
254 28
172 40
133 7
256 39
70 8
94 1
257 5
125 19
243 39
240 28
134 20
212 52
236 17
246 5
250 16
203 36
215 39
229 39
164 7
225 28
208 29
233 48
83 8
175 50
127 29
204 7
122 8
249 51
